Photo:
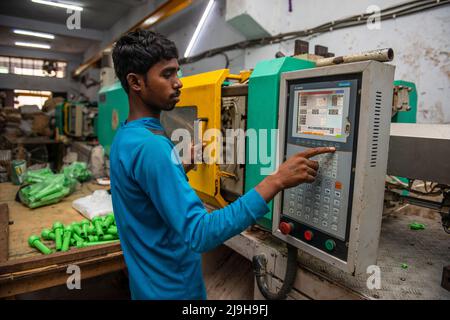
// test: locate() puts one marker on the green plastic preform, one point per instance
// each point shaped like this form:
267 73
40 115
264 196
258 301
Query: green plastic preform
98 224
108 237
58 230
78 239
112 230
35 242
66 240
47 234
85 227
77 229
109 220
96 243
91 230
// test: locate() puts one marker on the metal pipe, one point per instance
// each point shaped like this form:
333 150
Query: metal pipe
381 55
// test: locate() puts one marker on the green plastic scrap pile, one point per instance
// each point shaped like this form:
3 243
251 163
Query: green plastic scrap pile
76 235
46 188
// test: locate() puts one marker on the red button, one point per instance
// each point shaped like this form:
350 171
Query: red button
286 228
308 235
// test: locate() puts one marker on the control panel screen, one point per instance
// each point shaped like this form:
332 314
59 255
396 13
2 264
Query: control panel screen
320 113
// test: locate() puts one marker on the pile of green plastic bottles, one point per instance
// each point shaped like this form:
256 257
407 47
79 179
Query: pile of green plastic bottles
76 235
46 188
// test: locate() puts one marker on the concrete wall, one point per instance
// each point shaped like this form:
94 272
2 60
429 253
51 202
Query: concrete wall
420 41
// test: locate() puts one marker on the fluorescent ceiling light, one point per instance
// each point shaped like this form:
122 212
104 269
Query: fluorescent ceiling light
34 34
199 28
59 5
33 45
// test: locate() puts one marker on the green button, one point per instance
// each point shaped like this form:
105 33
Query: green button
330 245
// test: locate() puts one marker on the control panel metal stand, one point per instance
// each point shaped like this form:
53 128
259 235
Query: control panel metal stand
338 217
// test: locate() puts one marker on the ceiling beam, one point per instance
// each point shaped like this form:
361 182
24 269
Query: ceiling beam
54 28
161 13
40 54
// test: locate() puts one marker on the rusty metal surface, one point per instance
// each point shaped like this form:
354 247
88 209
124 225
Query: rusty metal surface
381 55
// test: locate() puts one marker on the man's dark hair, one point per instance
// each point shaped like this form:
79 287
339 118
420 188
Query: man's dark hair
138 51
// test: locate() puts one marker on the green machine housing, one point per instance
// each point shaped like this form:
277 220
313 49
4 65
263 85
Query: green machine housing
76 119
263 101
112 110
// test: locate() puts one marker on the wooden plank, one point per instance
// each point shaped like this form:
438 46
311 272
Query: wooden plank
12 266
58 276
4 232
30 273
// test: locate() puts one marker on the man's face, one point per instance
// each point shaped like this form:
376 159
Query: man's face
161 89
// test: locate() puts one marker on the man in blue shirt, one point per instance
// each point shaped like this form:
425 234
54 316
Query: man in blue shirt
163 225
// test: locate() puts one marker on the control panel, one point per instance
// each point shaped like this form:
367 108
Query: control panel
336 218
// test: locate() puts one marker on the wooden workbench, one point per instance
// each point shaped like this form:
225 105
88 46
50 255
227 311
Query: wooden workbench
27 269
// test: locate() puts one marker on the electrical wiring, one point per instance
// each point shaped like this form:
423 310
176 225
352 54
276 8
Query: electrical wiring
393 12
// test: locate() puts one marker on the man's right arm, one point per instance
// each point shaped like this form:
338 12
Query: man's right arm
179 206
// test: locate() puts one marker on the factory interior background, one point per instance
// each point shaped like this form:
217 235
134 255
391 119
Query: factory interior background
241 64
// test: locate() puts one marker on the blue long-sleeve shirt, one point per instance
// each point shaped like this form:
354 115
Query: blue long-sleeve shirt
162 224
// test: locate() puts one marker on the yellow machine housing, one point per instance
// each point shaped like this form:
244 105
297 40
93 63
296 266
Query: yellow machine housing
201 99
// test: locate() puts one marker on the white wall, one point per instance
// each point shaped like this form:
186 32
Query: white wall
216 32
420 41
